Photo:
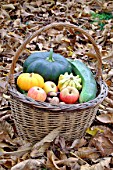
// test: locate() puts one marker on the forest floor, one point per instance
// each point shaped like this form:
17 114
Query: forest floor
20 19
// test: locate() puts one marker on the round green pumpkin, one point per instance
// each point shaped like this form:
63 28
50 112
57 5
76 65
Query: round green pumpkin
48 64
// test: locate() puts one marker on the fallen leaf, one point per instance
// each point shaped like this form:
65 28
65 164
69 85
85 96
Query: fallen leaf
8 6
25 14
40 147
61 142
2 85
17 153
5 14
71 161
7 163
39 152
87 153
30 164
8 128
103 142
48 138
4 145
105 118
78 143
104 163
93 130
51 158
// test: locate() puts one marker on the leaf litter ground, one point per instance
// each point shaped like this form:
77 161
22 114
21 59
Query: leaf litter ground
17 21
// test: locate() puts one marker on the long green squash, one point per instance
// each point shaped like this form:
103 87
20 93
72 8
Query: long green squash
89 85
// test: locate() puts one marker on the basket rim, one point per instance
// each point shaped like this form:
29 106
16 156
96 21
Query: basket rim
60 107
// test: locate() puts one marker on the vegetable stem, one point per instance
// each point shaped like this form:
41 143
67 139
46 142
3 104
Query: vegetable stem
50 58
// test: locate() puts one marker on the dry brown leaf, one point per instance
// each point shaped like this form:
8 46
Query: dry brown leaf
17 154
110 73
71 161
7 163
1 48
77 143
5 14
109 109
29 164
51 158
8 6
48 138
39 152
26 14
39 2
103 141
40 147
87 152
58 38
5 116
8 128
2 84
52 32
54 163
17 22
31 8
5 137
61 142
105 118
4 145
99 166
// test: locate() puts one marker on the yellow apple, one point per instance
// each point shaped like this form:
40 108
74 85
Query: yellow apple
50 86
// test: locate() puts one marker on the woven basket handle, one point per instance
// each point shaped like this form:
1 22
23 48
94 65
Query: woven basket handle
55 25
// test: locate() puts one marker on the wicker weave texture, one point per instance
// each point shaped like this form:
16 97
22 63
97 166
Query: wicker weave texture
33 124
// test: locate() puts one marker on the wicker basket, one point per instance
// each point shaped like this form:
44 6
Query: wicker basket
34 120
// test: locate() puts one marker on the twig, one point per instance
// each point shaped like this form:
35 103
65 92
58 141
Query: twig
78 157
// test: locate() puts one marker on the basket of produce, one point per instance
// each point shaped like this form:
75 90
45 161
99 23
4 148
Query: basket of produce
54 91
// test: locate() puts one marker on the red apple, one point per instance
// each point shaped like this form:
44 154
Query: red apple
37 93
69 95
50 86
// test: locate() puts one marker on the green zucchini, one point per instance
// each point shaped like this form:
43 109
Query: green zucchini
89 85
